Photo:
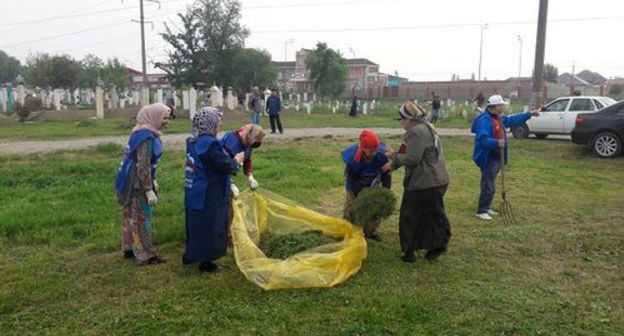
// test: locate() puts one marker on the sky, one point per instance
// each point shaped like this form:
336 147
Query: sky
419 39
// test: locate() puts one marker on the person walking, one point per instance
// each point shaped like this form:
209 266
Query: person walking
436 105
137 186
255 105
354 107
274 108
490 135
423 223
365 163
207 191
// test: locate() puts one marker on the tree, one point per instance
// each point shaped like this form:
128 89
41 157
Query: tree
114 74
10 67
616 89
55 71
202 50
91 68
327 69
252 67
551 73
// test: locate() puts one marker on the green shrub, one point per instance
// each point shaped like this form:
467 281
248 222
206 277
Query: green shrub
30 104
374 205
283 246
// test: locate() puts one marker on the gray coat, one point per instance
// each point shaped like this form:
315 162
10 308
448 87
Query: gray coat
423 159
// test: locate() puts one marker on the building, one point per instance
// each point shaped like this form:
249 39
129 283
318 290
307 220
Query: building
155 81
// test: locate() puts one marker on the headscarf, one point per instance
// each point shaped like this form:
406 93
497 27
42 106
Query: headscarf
415 112
150 117
205 121
251 134
368 140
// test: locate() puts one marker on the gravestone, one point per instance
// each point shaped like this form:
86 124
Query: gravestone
99 102
298 98
230 99
314 97
305 96
159 96
214 96
21 94
3 98
308 108
57 99
365 108
185 100
176 99
192 102
122 103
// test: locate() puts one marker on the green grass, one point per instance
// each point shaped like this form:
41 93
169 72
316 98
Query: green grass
557 272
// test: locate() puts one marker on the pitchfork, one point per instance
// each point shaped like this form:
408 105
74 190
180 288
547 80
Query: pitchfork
505 208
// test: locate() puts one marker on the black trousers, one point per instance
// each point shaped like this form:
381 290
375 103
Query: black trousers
423 223
276 119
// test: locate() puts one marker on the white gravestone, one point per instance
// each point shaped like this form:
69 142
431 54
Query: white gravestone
99 102
3 97
57 100
185 100
159 96
192 103
230 99
305 96
365 108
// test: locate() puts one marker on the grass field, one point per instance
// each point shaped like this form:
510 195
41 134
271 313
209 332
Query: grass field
557 272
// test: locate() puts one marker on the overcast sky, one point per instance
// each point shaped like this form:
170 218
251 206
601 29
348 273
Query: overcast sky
419 47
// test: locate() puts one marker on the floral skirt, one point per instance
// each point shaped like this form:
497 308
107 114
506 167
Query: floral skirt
136 232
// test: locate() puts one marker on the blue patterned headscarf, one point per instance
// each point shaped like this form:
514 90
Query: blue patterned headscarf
206 121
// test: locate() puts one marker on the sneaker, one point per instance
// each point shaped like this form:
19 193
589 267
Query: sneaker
492 213
484 216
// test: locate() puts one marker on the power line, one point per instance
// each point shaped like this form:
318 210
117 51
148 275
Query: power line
433 26
321 4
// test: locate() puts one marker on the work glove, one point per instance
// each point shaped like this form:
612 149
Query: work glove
235 191
253 184
151 198
156 187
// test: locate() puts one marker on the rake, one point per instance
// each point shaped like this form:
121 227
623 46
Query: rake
506 209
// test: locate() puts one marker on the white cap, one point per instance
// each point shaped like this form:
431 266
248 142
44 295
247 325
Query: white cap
496 100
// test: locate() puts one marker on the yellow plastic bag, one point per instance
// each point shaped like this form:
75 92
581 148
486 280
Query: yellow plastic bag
323 266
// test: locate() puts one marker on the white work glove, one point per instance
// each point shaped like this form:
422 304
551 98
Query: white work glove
151 198
156 186
253 184
235 191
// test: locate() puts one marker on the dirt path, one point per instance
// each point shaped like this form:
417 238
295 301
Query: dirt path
177 141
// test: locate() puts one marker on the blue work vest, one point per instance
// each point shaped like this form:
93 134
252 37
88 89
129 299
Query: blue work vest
366 170
200 183
233 145
129 161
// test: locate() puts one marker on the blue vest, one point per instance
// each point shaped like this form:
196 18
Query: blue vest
366 170
129 161
233 145
199 183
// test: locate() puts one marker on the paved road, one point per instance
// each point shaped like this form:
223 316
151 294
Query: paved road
177 141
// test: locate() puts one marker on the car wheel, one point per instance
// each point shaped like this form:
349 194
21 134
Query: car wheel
607 145
541 135
520 132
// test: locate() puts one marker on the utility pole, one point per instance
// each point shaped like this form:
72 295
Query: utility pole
520 61
538 76
142 22
290 41
483 27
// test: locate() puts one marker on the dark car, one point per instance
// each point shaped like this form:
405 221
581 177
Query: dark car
602 132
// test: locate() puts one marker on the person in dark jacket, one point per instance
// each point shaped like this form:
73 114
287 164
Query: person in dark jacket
365 164
274 108
436 105
354 107
207 191
255 105
490 136
423 223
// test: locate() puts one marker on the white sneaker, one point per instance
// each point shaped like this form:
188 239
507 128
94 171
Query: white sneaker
485 216
492 213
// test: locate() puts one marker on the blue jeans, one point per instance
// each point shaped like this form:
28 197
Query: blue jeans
488 184
436 115
255 118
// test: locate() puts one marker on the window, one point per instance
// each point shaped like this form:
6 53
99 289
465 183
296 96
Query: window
582 104
621 110
599 105
557 106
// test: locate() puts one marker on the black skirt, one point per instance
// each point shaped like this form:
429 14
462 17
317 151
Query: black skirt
423 223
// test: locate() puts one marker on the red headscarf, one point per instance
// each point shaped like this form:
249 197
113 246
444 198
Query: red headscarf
368 140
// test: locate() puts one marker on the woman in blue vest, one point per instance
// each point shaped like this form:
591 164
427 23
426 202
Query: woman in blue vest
136 184
207 191
366 164
244 140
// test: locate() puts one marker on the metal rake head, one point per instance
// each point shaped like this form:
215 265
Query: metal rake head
506 211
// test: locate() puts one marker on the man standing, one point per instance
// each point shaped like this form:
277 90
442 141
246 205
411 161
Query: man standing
274 107
490 140
435 106
255 105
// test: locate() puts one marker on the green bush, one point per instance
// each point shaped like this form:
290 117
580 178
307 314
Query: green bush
374 205
30 104
283 246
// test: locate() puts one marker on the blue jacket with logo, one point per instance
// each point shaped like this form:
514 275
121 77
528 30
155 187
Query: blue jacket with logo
486 145
274 105
129 161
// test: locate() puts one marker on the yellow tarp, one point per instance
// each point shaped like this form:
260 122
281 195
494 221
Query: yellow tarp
323 266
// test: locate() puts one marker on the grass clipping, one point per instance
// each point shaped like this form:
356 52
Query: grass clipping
373 205
278 246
